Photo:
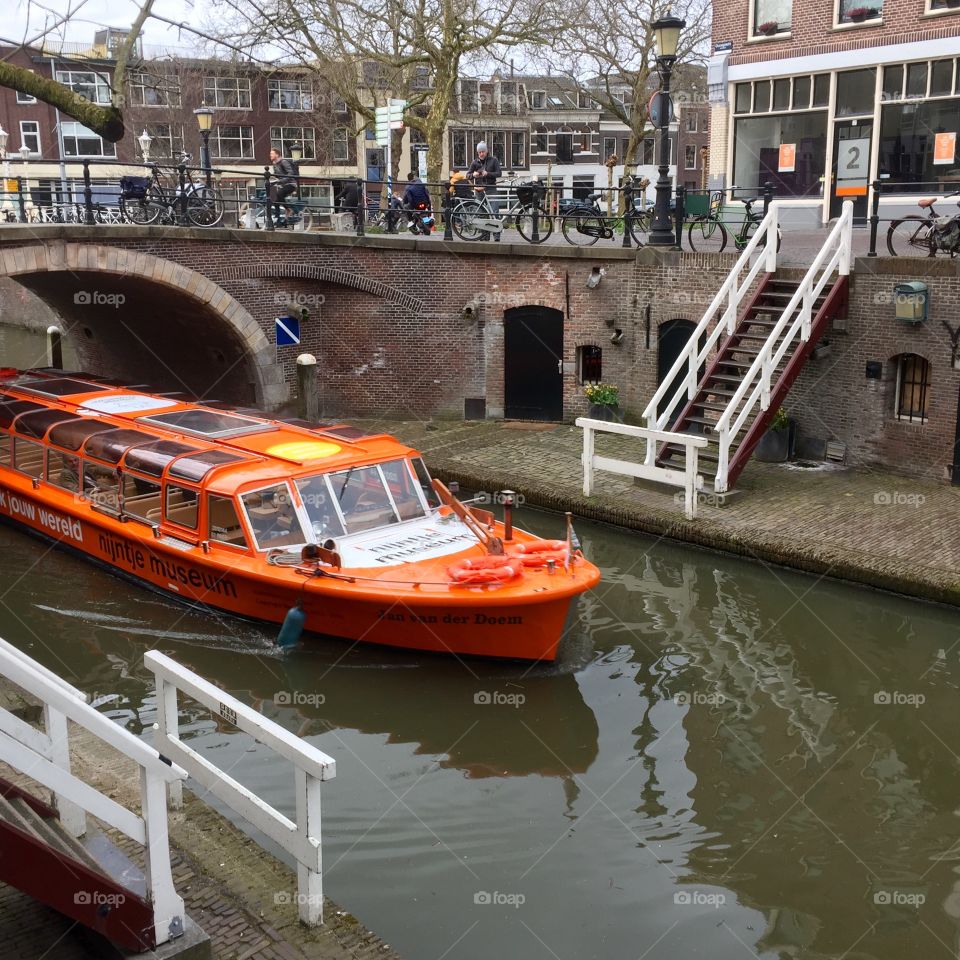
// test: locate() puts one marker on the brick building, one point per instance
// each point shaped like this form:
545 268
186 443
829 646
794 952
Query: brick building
853 90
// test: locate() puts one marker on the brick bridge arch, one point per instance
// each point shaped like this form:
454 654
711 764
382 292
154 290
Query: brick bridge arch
143 335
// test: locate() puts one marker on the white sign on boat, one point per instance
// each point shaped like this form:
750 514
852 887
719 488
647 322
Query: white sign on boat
126 403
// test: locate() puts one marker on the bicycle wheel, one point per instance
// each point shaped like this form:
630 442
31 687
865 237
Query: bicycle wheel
204 207
707 236
306 219
639 227
749 229
582 229
463 219
524 223
911 237
143 211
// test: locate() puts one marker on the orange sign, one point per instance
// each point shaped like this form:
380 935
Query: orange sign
944 148
788 158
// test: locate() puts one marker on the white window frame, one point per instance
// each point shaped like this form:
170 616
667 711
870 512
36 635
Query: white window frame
305 136
175 135
89 135
343 141
691 123
931 11
542 96
689 149
462 82
25 98
217 85
754 37
36 133
303 93
100 84
169 96
607 152
215 142
839 24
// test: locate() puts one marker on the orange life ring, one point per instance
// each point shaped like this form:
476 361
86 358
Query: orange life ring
485 570
537 553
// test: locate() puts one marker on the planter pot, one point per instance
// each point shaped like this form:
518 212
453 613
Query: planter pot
774 447
858 17
601 411
770 33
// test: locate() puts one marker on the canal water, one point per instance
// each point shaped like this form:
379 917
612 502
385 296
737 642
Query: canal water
732 761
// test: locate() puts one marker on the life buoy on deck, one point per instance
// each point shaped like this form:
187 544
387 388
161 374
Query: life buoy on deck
485 570
537 553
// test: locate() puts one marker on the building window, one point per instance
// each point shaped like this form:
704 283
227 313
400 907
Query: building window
85 83
590 367
458 148
756 158
30 136
340 105
228 93
908 137
942 5
692 123
167 140
776 12
518 149
147 91
690 157
648 151
232 143
78 141
564 148
538 99
469 96
609 147
620 96
582 187
341 145
585 101
538 142
289 95
25 97
913 388
863 12
855 91
283 138
508 98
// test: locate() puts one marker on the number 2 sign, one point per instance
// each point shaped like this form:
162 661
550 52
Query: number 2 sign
853 166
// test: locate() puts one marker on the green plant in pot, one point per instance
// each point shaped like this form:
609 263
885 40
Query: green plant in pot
775 445
604 400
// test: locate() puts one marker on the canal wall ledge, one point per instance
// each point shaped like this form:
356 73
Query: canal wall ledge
870 527
230 885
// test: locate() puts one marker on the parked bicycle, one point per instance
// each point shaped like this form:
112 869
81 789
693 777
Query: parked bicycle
145 200
916 236
472 218
254 213
584 224
707 233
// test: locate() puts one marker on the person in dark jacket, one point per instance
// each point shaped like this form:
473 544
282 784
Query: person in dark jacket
416 193
484 172
284 180
348 200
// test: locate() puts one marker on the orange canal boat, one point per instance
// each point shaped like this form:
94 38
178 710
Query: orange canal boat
326 528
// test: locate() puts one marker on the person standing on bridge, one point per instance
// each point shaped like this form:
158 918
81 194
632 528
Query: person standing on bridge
483 172
284 183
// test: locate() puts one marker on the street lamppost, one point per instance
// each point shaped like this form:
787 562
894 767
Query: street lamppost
204 117
667 34
296 152
145 140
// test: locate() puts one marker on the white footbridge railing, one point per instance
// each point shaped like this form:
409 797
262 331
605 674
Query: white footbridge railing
311 766
791 329
688 478
719 320
44 756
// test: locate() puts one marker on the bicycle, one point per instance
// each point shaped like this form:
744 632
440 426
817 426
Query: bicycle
144 200
707 234
585 224
254 213
914 235
474 219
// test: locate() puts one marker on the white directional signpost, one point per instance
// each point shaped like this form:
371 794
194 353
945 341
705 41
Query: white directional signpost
389 118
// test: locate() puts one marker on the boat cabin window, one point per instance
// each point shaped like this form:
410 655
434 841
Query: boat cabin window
59 387
101 486
72 434
402 489
207 423
4 448
363 499
198 465
63 470
272 518
28 457
317 501
141 498
423 478
153 457
224 522
181 506
11 409
37 424
113 444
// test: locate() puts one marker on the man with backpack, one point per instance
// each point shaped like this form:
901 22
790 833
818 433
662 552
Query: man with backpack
284 183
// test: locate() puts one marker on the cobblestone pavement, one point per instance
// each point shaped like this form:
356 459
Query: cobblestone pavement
871 527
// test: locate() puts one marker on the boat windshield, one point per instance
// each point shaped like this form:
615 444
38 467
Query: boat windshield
273 518
317 501
376 496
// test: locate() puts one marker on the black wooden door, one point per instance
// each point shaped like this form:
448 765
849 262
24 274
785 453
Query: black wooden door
956 451
672 337
533 363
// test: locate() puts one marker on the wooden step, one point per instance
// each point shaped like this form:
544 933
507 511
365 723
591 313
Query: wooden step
52 832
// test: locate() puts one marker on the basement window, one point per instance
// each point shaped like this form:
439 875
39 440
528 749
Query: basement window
590 364
913 388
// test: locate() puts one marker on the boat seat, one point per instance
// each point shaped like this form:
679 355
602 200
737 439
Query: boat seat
224 523
185 515
142 506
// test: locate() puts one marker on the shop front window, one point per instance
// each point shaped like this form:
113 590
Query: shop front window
757 153
855 90
909 134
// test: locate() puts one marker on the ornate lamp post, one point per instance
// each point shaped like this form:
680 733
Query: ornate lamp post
145 140
296 152
667 33
204 117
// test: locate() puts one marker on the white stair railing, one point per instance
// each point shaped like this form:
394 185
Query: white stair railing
311 766
44 757
791 329
719 319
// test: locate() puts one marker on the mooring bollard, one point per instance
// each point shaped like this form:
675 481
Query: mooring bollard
507 497
874 217
308 388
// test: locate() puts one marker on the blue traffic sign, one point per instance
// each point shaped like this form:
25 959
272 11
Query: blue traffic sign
288 331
